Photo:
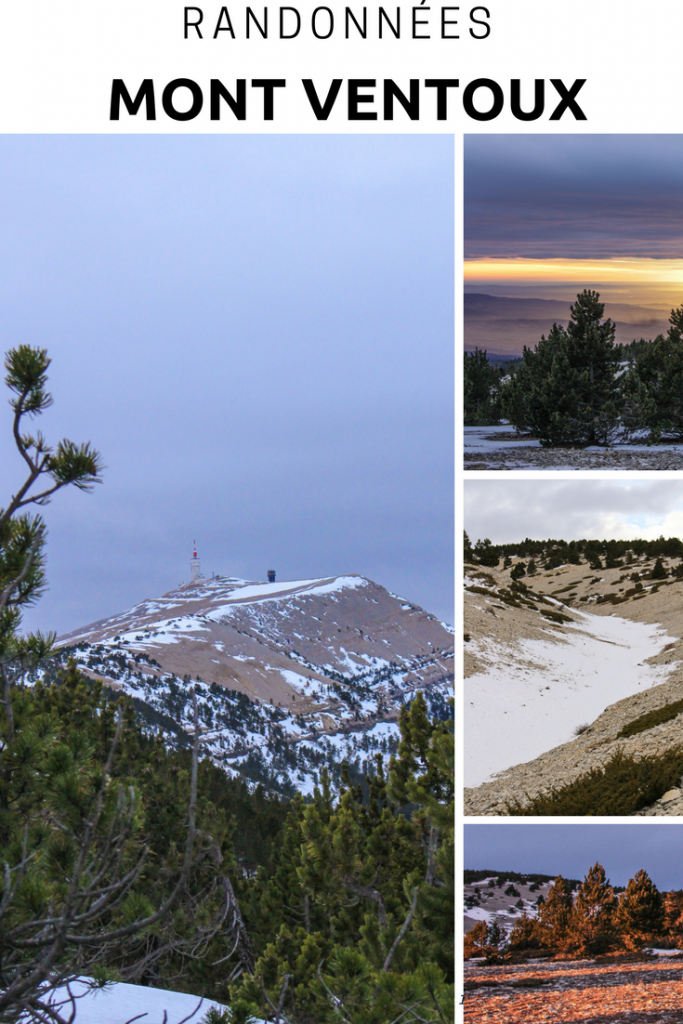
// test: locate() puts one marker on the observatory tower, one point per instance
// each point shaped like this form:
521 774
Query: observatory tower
195 567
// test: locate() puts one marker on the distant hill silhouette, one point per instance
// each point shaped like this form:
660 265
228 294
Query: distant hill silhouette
503 326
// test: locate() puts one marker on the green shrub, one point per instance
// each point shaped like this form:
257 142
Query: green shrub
555 616
652 718
240 1012
622 787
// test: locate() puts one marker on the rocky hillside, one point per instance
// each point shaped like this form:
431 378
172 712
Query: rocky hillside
290 676
628 628
501 899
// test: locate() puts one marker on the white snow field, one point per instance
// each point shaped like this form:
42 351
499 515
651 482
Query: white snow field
119 1003
534 693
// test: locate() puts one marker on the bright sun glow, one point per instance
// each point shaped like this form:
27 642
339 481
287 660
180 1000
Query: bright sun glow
622 271
639 282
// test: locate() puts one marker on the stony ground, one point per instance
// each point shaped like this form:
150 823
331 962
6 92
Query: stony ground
581 587
622 992
521 455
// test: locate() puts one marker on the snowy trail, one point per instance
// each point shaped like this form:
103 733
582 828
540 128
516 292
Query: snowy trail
536 692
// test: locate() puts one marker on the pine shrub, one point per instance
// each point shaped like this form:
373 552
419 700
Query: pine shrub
652 718
622 787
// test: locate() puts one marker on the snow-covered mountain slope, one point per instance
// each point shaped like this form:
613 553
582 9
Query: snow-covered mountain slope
290 676
499 899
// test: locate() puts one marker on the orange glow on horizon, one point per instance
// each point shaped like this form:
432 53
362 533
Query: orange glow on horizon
618 271
656 284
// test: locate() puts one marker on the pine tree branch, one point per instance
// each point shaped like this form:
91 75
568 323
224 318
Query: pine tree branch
31 554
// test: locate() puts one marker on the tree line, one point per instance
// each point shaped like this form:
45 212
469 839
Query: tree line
472 875
124 860
550 554
578 387
590 919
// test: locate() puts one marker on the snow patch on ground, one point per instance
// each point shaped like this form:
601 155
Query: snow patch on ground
495 439
275 591
498 439
479 914
534 694
295 679
117 1003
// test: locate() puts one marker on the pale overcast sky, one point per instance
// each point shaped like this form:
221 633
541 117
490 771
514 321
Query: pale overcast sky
509 510
257 333
570 850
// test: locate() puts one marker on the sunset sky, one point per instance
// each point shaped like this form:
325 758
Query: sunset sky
547 215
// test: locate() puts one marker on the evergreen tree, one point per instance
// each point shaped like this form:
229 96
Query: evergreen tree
654 385
640 914
475 940
518 570
105 871
573 555
592 927
658 572
481 390
485 940
641 387
526 934
566 390
555 911
22 534
531 568
672 907
358 912
485 553
675 333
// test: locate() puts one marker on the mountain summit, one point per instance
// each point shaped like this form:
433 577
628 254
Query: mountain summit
291 676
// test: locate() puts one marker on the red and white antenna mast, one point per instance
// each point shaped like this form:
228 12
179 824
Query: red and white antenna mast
195 567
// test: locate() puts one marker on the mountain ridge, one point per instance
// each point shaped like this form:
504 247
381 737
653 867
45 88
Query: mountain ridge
290 676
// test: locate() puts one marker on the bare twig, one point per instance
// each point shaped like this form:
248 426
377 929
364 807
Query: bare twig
238 930
191 1015
336 1001
279 1015
404 929
432 844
